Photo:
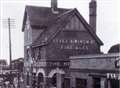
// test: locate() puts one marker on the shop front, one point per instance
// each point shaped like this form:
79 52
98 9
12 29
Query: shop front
95 71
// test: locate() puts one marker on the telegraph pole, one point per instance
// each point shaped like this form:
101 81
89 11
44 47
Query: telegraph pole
9 24
10 50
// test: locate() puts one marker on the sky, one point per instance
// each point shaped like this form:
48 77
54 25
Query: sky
107 22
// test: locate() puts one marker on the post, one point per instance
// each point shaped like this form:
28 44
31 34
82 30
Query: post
108 84
72 82
59 80
90 82
103 83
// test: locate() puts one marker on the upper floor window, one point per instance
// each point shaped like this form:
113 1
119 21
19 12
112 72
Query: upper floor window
27 26
27 54
37 53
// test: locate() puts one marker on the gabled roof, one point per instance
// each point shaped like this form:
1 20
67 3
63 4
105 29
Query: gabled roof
88 27
58 24
44 16
41 15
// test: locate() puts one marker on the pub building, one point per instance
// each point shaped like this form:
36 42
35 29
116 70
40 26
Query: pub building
63 51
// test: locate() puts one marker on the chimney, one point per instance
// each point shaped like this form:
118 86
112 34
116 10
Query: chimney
54 6
92 14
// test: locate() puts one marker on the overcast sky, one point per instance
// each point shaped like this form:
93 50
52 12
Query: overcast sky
107 22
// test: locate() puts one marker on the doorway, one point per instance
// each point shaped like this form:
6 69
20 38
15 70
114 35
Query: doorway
81 83
66 83
96 82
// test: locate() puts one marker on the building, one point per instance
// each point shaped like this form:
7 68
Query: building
17 67
17 64
3 66
53 39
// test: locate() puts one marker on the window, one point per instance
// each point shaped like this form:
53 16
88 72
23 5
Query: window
27 54
38 53
54 80
40 80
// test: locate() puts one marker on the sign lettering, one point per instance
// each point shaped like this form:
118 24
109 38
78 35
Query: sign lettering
113 76
73 41
58 64
74 44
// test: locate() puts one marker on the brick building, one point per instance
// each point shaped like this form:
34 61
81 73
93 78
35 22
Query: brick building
52 37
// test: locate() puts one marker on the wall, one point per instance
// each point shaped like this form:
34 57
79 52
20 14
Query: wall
98 62
27 33
74 39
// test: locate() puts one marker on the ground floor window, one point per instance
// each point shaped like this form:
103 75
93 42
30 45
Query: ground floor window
40 80
96 82
81 83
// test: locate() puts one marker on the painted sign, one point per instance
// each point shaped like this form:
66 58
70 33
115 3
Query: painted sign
74 44
58 64
113 76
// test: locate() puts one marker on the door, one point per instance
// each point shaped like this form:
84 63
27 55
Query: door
66 83
96 82
81 83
